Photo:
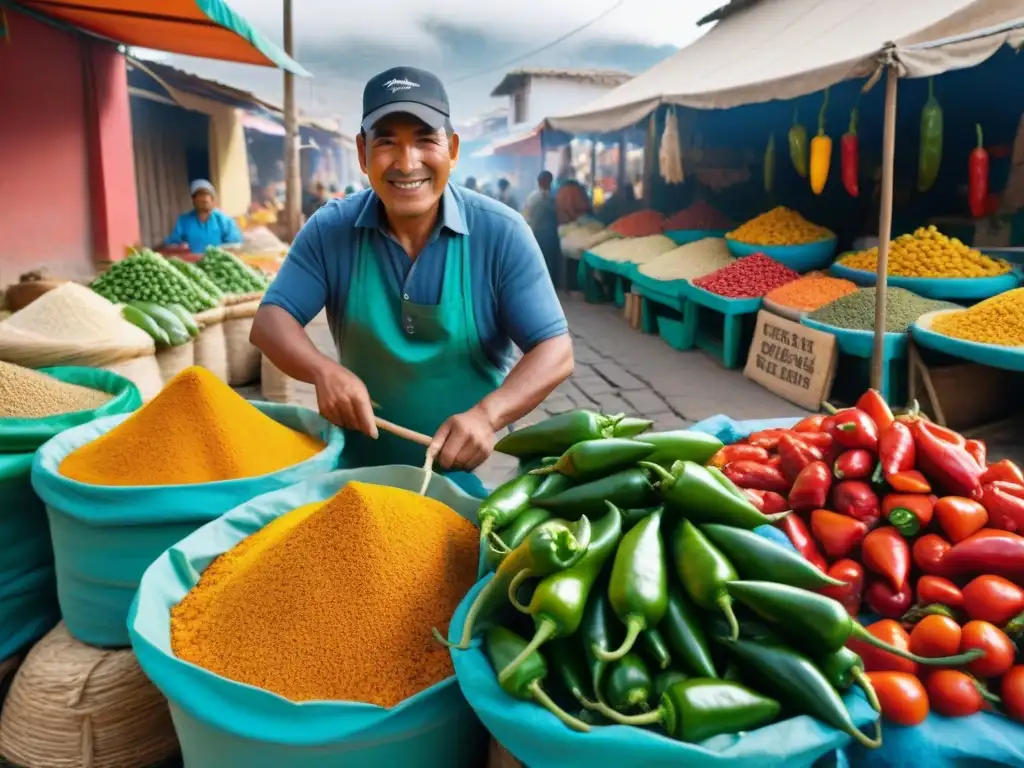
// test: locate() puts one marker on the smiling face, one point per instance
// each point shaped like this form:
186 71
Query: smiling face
408 164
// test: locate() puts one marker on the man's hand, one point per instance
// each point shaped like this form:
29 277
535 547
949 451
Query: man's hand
342 399
464 441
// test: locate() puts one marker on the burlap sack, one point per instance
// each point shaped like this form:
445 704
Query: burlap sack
143 372
243 357
210 346
173 360
275 385
78 706
7 669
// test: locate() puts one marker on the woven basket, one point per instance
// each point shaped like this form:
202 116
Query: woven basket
211 348
75 706
174 360
243 357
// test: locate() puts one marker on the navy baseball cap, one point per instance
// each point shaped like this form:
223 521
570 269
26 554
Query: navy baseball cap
405 90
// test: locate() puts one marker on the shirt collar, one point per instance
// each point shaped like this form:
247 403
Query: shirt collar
452 216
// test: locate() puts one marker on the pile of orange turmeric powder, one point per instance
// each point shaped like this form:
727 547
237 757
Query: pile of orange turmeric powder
335 600
197 430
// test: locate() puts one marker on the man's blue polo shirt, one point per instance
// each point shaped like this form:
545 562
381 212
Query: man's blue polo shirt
513 298
218 229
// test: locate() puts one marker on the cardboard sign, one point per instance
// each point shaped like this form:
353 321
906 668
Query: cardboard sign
793 361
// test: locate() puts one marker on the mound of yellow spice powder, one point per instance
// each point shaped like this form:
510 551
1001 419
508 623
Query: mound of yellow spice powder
334 601
929 253
197 430
780 226
999 320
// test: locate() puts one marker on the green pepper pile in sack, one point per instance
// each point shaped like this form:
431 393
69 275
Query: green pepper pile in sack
652 600
230 273
147 276
170 326
196 275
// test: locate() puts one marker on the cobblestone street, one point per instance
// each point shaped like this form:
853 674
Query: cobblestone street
621 370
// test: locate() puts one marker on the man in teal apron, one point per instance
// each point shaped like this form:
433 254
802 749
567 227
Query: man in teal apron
428 288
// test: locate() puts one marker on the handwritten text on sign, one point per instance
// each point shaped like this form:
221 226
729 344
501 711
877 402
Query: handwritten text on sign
791 360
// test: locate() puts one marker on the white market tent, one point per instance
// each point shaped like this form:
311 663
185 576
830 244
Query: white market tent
764 50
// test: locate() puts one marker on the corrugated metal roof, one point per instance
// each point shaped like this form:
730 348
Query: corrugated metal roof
515 79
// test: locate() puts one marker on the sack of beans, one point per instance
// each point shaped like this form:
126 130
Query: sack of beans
276 385
296 630
211 347
35 406
120 490
74 705
242 357
174 360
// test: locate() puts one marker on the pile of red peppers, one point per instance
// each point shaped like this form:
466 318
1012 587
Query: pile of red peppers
923 530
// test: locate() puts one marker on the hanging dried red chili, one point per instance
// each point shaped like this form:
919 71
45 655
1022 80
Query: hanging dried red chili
977 177
850 151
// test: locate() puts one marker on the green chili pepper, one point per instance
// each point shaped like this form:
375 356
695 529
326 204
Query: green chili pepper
700 708
630 517
567 661
755 556
685 635
590 717
918 612
552 485
627 489
515 532
704 572
801 685
681 445
732 672
693 492
558 602
750 629
557 434
798 147
722 480
629 426
654 648
843 668
930 153
638 589
502 645
769 165
629 684
664 680
505 503
819 623
595 458
599 631
550 547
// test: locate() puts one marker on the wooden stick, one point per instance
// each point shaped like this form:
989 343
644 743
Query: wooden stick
884 224
428 472
402 432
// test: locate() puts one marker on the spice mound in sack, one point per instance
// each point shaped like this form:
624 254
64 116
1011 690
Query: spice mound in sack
811 292
999 320
335 600
28 394
73 313
689 261
780 226
856 311
747 278
637 250
197 430
638 224
700 215
929 253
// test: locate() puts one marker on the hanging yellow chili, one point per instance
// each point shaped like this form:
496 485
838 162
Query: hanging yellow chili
821 152
798 145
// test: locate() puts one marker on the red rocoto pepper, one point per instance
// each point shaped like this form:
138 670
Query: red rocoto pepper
850 156
885 601
856 464
977 177
766 438
794 455
796 530
811 487
930 552
851 594
772 502
978 451
856 499
993 599
810 424
875 659
988 551
887 553
1005 470
874 405
853 428
951 466
838 534
1004 503
908 512
910 481
753 474
935 589
945 434
896 449
960 518
738 452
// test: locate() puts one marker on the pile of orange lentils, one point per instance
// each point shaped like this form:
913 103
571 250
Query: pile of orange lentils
811 292
639 224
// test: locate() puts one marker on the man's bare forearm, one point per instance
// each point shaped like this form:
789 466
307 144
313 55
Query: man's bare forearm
534 377
280 337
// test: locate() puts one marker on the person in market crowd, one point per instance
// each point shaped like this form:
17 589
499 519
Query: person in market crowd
428 288
314 199
539 212
571 201
205 224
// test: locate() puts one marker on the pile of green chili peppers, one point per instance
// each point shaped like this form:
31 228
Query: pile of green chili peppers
628 573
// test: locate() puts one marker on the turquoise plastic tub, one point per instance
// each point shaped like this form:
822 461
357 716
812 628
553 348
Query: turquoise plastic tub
994 355
947 288
678 334
861 343
801 258
671 293
684 236
720 303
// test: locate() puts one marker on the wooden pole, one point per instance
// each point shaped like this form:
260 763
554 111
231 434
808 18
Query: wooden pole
884 225
292 171
593 168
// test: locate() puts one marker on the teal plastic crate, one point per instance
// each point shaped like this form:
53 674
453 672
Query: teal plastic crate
801 258
860 344
684 236
722 327
594 290
663 311
993 355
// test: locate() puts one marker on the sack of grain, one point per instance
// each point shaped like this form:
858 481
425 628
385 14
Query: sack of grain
74 705
174 360
243 358
142 371
211 348
276 385
35 406
7 669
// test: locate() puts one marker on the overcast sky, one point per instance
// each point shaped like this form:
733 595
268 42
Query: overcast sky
456 39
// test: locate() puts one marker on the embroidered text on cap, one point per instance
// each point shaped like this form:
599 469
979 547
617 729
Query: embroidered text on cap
400 85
